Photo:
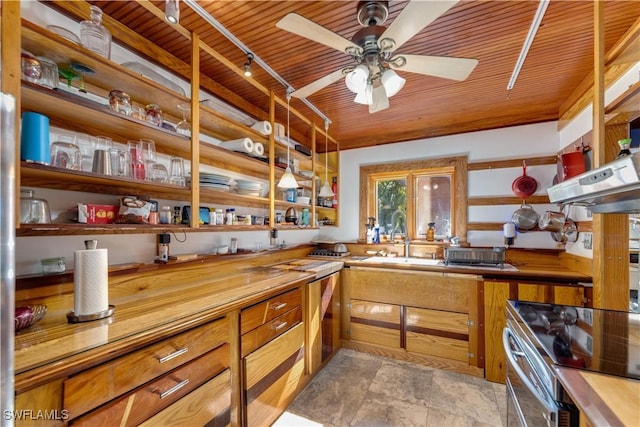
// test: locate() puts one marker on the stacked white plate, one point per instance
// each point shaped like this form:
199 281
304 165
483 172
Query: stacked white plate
248 188
213 181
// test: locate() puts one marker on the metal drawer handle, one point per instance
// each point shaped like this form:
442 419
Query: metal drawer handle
280 326
173 355
174 388
278 306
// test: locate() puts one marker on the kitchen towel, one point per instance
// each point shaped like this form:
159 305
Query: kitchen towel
243 145
90 281
258 149
34 138
263 127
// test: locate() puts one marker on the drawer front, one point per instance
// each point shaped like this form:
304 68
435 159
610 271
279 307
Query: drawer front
208 405
264 406
265 333
375 323
267 359
438 333
135 407
259 314
98 385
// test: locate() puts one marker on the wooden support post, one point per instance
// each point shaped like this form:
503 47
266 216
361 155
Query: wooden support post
610 231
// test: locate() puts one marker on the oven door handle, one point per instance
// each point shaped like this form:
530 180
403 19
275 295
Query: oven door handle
541 395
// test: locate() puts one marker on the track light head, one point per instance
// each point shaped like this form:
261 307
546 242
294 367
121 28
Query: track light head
172 11
247 65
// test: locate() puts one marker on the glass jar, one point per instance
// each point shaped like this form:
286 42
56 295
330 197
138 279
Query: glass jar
431 232
32 209
120 102
153 114
230 216
219 216
53 265
31 67
94 36
165 215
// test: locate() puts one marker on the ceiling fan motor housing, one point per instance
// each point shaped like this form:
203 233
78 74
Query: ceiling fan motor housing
372 12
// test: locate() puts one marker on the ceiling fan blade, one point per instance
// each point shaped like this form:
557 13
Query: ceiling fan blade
315 86
414 17
306 28
439 66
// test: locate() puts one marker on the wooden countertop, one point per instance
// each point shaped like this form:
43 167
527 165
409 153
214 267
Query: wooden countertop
605 400
54 347
525 271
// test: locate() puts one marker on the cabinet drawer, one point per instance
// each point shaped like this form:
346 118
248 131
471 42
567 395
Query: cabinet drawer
137 406
267 359
263 334
209 405
438 333
259 314
105 382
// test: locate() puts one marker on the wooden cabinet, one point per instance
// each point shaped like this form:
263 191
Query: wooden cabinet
67 109
433 318
496 294
322 321
134 387
274 368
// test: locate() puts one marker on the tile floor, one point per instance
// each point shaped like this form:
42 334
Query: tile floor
359 389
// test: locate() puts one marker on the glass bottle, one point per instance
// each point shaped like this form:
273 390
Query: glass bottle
431 232
94 36
624 148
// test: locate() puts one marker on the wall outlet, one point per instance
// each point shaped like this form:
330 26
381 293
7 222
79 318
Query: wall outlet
587 240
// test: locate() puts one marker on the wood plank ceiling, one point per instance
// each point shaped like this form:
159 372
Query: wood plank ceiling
491 31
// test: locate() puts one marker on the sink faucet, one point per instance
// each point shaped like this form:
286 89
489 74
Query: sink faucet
407 242
393 223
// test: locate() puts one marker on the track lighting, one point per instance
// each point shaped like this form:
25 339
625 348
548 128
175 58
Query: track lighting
172 11
247 65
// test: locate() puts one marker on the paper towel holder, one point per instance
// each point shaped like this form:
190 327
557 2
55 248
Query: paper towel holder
78 318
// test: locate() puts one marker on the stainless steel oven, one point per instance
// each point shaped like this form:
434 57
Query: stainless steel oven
530 398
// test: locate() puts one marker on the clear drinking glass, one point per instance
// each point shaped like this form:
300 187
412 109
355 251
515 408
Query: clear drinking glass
149 156
184 127
86 143
176 172
120 162
65 153
136 159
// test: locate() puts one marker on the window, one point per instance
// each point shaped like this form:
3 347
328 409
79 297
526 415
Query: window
405 197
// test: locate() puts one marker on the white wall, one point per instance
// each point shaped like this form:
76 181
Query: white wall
508 143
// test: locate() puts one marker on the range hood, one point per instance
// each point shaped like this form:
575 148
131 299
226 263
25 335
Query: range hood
612 188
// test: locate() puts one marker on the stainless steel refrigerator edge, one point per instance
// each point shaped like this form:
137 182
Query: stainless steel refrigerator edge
7 254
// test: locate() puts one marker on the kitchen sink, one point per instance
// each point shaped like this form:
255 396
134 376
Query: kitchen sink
403 260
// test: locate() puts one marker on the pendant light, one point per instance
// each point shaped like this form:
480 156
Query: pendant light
326 191
288 180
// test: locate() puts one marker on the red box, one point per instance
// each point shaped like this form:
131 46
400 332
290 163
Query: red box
97 214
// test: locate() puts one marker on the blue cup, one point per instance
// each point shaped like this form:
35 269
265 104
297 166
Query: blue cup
34 138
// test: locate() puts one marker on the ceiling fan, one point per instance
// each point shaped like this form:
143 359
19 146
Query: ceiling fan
373 78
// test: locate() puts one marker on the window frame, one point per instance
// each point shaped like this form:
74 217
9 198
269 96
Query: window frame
456 167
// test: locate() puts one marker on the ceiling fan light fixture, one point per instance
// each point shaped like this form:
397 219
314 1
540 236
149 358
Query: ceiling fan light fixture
392 82
365 97
356 80
379 99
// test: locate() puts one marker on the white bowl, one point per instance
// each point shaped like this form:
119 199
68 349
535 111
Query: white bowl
303 200
222 250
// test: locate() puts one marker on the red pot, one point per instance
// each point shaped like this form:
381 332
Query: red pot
572 164
524 186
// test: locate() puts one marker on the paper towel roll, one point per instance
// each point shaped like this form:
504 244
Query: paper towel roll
91 281
258 149
263 127
243 144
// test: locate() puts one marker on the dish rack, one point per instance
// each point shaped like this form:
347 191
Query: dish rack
494 255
